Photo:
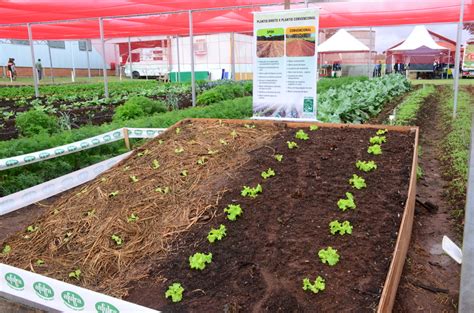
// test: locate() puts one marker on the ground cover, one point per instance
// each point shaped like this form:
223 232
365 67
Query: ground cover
127 224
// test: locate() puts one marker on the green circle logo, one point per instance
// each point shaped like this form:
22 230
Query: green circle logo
43 290
73 300
104 307
14 281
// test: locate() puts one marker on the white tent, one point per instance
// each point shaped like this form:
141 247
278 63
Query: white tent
420 41
342 41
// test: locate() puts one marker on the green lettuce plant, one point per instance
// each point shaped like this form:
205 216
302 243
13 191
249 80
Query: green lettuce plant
315 287
198 260
175 292
357 182
233 211
347 203
217 234
366 166
329 256
341 228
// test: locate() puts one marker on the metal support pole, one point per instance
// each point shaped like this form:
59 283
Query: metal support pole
232 56
88 45
130 57
191 41
73 62
466 300
104 65
33 67
287 4
457 59
370 51
178 59
50 62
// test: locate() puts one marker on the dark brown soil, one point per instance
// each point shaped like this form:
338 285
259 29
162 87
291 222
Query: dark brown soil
426 266
260 265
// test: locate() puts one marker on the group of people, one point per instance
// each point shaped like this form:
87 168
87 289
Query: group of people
11 69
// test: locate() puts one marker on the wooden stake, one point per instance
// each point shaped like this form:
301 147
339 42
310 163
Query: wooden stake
125 138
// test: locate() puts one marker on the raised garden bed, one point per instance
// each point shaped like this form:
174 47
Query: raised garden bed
261 263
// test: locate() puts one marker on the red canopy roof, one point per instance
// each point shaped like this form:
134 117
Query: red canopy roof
85 12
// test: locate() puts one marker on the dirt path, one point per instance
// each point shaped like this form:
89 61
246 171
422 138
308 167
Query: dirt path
427 269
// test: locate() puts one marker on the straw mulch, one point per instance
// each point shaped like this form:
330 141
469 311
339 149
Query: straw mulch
76 232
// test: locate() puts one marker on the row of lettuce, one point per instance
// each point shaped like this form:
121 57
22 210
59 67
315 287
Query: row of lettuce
366 103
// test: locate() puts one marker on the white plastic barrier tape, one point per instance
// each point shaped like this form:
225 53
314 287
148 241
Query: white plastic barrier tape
77 146
58 295
50 188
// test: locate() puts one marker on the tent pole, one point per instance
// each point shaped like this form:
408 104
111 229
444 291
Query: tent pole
88 45
232 56
104 66
191 41
130 57
73 62
178 79
370 52
33 67
457 59
50 62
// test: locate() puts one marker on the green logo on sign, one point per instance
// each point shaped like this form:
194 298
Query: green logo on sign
308 104
138 132
84 144
107 138
104 307
72 300
14 281
95 141
43 290
29 158
117 134
150 132
11 162
58 151
44 155
71 148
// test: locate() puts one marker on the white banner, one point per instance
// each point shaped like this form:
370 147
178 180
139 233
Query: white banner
55 186
77 146
285 66
58 295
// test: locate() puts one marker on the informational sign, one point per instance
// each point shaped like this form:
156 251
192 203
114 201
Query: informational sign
468 61
284 67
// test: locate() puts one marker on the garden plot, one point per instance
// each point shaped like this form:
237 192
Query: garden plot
134 231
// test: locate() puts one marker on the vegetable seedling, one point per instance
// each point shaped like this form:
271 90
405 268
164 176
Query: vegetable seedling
155 165
178 150
233 211
329 256
160 142
126 168
268 173
75 274
251 192
133 178
140 154
300 134
348 203
212 152
132 218
249 126
118 240
292 144
381 132
6 249
366 166
184 173
178 130
377 140
198 260
279 157
223 142
175 291
217 234
341 228
234 134
39 262
32 228
317 286
313 128
163 190
357 182
375 149
113 194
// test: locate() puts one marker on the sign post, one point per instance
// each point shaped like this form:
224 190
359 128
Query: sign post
285 66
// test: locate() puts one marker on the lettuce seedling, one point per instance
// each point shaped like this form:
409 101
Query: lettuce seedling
133 178
251 192
32 228
233 211
184 173
113 194
118 240
202 160
163 190
268 173
132 218
6 249
39 262
160 142
75 274
357 182
234 134
178 150
223 142
198 260
348 203
178 130
375 149
313 127
217 234
381 132
140 154
318 285
292 144
155 165
249 126
300 134
212 152
378 140
175 291
279 157
341 228
329 256
366 166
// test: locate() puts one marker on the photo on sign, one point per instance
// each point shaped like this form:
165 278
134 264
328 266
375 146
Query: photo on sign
270 43
300 41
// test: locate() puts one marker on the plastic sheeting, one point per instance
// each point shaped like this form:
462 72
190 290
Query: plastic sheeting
332 15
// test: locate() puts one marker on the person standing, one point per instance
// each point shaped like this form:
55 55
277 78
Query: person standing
11 68
39 69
